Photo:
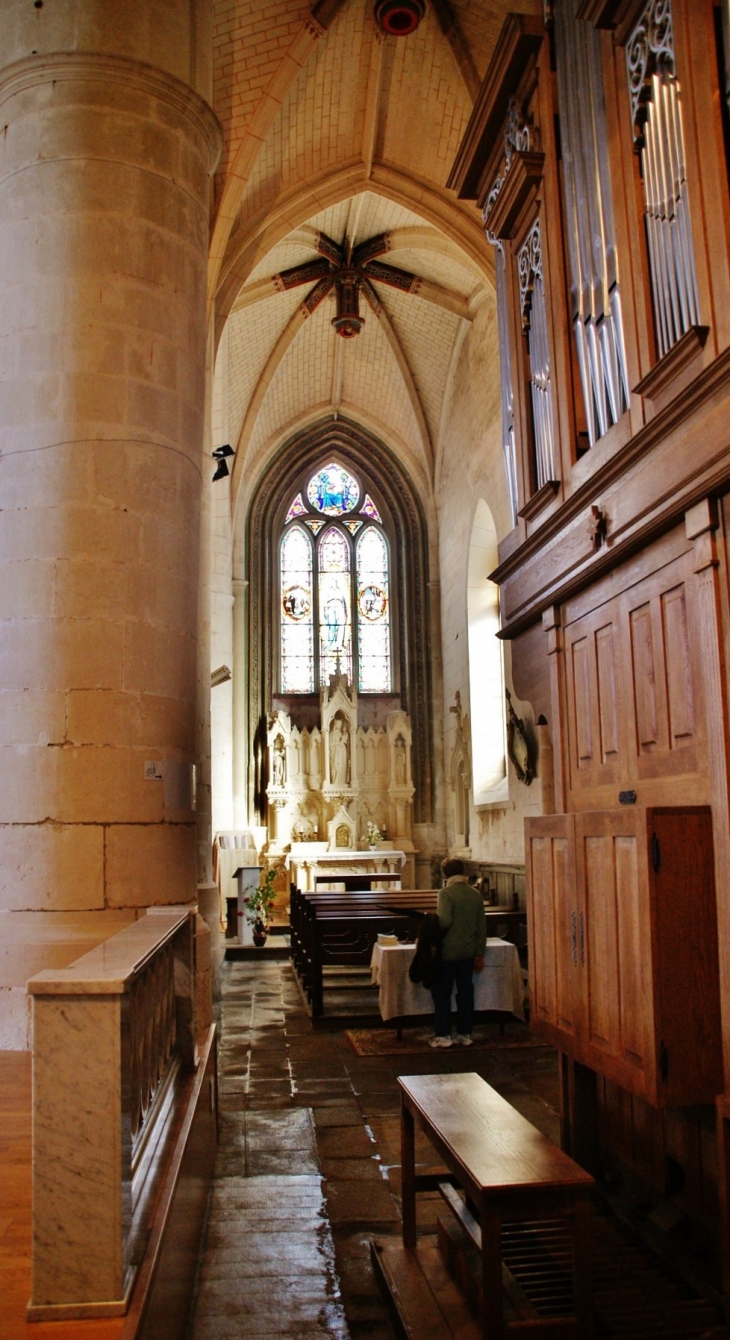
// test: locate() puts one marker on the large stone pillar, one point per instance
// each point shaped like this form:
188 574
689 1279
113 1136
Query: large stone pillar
105 161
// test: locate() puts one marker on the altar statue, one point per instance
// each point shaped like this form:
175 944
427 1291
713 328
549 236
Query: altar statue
339 749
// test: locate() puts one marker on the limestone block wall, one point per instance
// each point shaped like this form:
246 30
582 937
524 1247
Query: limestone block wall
469 468
221 615
105 170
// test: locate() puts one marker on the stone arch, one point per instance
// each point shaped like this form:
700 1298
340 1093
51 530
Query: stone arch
291 211
362 452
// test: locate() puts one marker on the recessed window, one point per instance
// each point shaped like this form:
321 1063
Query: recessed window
335 589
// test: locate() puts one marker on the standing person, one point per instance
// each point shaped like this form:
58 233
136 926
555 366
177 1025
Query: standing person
461 916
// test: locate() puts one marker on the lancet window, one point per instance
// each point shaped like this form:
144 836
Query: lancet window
334 571
656 111
589 222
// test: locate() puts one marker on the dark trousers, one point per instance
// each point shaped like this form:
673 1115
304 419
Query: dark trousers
460 971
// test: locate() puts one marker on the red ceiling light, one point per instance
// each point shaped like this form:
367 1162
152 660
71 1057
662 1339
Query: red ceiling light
398 18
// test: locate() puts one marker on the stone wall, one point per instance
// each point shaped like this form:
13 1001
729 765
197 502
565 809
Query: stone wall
470 467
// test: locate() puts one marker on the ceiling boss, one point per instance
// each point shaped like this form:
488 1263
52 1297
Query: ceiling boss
349 271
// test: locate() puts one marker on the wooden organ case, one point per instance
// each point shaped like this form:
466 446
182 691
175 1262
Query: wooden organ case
624 975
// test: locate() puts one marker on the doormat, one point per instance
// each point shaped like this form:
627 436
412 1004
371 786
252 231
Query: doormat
385 1042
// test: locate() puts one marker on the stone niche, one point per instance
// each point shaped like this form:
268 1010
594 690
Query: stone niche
327 783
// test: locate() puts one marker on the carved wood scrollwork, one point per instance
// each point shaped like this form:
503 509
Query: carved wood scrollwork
533 308
651 43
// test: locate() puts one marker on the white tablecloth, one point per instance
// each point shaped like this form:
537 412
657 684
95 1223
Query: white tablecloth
498 986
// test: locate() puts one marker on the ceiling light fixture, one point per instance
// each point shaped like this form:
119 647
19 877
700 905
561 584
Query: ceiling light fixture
350 271
348 321
399 18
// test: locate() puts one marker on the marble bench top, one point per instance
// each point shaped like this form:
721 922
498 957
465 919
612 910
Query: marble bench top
112 966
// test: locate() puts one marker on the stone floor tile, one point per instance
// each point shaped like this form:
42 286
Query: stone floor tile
339 1114
377 1102
268 1065
274 1088
353 1170
293 1129
299 1298
262 1103
259 1254
261 1162
230 1162
361 1203
345 1143
318 1099
330 1086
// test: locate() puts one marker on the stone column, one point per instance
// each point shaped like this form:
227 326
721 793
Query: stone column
105 165
243 816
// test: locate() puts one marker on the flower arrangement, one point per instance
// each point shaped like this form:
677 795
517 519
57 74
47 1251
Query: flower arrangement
374 833
260 902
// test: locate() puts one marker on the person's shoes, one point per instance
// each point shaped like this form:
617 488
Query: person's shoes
440 1042
464 1039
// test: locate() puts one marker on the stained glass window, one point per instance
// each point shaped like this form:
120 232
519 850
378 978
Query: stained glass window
334 588
297 509
369 509
333 490
335 613
297 612
373 608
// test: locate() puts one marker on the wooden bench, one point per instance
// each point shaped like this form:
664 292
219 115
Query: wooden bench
511 1174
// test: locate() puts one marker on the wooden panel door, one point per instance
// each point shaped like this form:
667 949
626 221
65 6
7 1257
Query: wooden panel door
593 684
615 947
633 707
552 927
665 689
686 971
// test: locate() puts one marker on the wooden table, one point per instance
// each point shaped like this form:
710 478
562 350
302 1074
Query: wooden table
510 1172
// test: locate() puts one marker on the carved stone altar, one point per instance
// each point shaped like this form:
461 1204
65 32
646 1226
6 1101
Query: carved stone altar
328 783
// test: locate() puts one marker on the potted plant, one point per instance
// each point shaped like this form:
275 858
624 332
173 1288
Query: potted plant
259 905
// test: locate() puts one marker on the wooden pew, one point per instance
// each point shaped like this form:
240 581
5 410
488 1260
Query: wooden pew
330 928
511 1174
335 929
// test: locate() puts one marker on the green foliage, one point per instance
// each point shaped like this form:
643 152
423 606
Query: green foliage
260 902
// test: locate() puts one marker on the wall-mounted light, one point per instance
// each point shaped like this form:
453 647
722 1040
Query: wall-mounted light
220 455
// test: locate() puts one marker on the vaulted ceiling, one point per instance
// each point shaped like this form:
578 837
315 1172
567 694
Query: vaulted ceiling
333 129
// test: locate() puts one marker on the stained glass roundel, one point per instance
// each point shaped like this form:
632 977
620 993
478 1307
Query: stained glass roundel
333 490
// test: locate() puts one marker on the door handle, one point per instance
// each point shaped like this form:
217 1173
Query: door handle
574 938
582 942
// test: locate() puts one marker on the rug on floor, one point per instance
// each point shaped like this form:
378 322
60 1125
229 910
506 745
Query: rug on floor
385 1042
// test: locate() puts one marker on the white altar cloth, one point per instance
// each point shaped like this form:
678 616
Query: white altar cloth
306 860
498 986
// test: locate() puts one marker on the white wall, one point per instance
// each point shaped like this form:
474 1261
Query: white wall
470 467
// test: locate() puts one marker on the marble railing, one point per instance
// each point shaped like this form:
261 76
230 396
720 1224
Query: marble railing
111 1034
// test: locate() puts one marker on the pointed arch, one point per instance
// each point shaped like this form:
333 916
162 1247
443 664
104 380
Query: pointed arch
293 208
366 454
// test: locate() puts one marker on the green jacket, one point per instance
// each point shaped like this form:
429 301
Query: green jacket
461 915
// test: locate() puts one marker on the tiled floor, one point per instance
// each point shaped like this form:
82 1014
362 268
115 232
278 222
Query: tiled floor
287 1253
308 1171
